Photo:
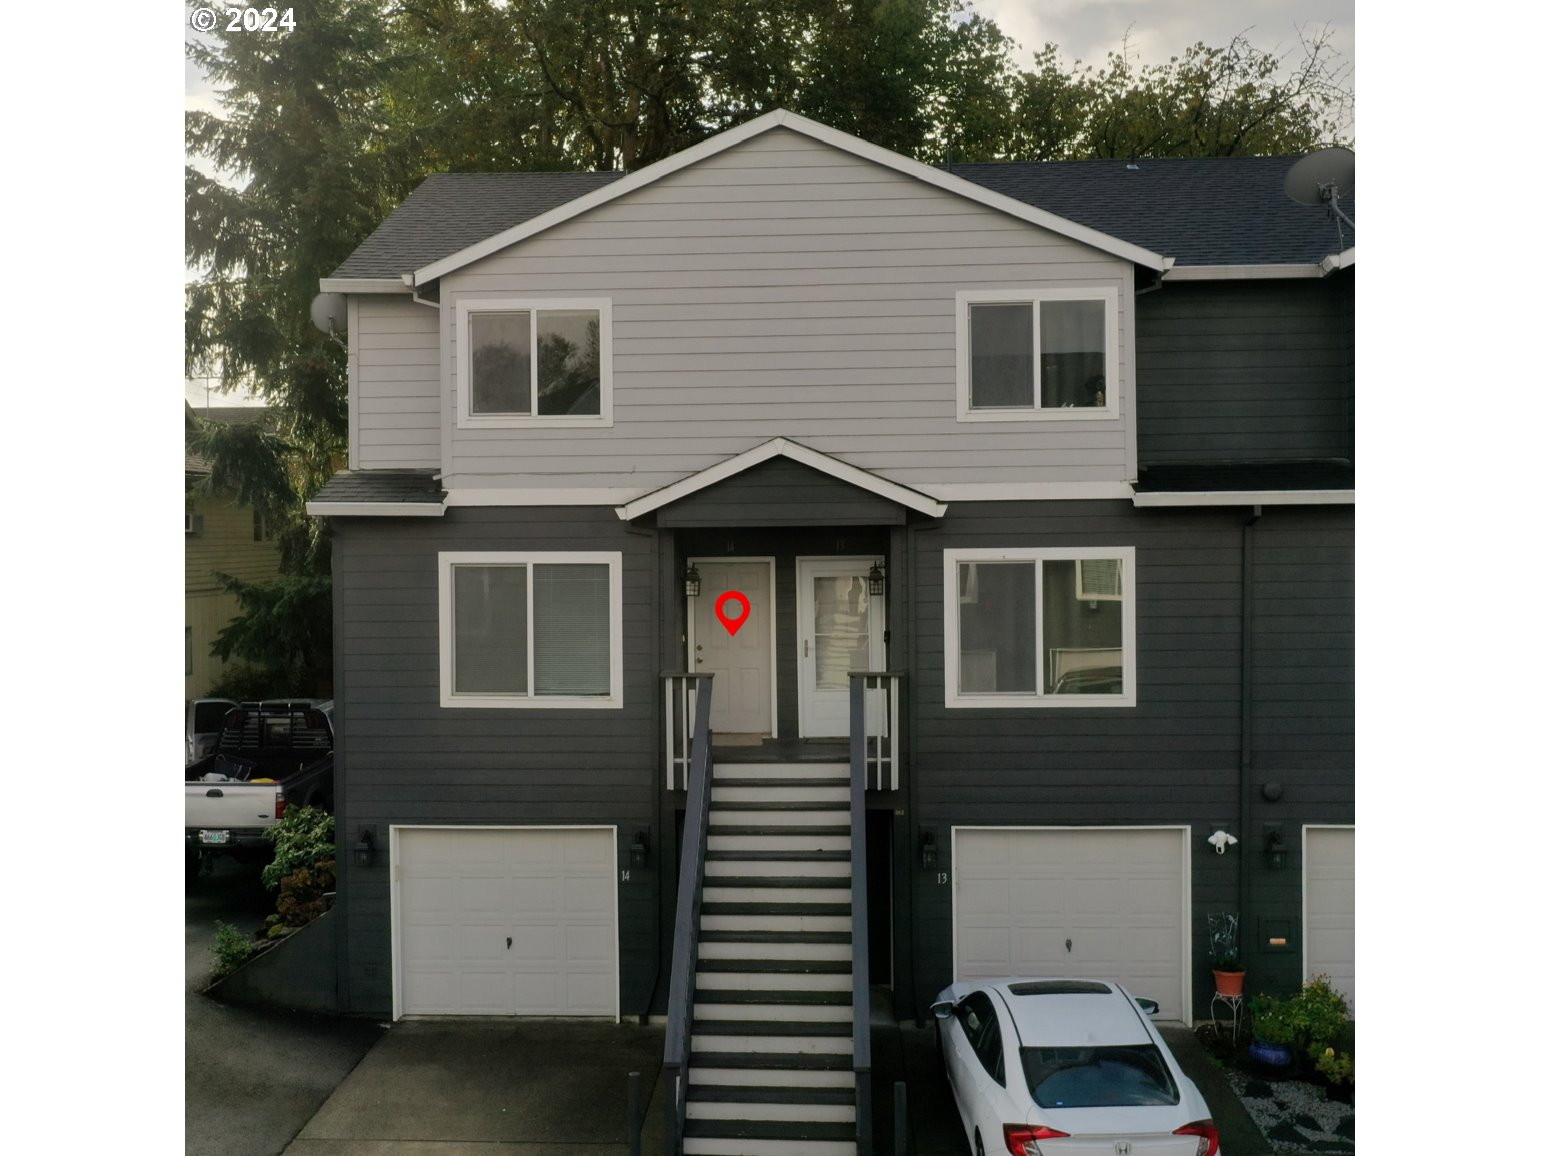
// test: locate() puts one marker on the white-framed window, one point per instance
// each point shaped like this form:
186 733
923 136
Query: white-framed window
530 629
1031 627
526 362
1035 354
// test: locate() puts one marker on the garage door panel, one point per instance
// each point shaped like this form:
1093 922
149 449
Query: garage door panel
1117 896
1329 906
462 895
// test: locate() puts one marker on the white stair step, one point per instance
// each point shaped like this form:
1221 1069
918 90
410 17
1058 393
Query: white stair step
798 1045
707 1146
812 1113
772 1078
771 981
778 842
802 868
775 923
725 772
779 818
715 894
767 1011
792 793
712 950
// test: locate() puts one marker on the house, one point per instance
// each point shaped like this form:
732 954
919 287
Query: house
1090 425
222 537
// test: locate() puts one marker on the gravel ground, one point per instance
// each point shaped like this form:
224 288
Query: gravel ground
1295 1116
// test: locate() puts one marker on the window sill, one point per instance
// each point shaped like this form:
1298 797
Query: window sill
1029 415
1036 702
513 421
544 702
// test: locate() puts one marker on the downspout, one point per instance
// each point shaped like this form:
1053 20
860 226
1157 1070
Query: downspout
1244 771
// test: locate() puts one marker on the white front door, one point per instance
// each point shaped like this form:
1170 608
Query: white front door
839 629
742 664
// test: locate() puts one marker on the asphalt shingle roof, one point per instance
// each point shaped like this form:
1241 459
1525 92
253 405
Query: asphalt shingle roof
1200 210
452 211
382 486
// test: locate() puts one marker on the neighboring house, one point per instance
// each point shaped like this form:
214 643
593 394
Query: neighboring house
1091 423
221 537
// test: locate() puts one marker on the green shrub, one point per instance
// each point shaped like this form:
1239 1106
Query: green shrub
1312 1019
1336 1067
302 839
232 947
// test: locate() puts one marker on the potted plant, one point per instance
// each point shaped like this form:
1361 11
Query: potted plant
1273 1032
1224 957
1311 1021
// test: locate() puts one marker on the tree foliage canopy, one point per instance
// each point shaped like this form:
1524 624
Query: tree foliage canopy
323 130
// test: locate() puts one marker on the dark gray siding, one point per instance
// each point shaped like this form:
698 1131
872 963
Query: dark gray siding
1176 757
782 492
1246 370
407 760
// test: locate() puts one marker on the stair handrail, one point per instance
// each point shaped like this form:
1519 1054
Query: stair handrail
861 994
687 918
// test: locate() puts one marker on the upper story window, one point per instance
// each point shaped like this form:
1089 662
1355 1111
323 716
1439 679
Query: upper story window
1036 354
530 629
534 363
1030 627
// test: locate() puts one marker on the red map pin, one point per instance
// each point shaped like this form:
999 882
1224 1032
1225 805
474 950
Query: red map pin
732 622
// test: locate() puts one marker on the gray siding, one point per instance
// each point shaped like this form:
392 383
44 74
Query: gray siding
1246 370
782 493
1175 758
785 288
406 760
394 391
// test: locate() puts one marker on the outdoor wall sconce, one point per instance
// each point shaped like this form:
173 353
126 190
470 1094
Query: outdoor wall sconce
1274 850
364 849
1220 840
928 849
639 848
692 582
875 580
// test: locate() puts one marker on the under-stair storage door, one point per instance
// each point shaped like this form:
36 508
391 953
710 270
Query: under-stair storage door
505 921
1092 903
742 661
840 629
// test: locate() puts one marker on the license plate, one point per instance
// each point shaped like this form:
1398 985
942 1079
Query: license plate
213 837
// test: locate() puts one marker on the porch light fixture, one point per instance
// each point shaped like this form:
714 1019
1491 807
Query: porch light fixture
875 580
692 582
364 849
928 849
639 848
1274 850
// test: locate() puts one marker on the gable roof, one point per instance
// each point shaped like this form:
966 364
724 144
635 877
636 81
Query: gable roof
1200 210
797 452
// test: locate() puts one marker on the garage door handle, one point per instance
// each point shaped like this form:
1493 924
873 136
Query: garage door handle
1067 945
214 793
508 943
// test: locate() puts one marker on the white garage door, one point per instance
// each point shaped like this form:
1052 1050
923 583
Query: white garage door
1329 915
1104 904
500 921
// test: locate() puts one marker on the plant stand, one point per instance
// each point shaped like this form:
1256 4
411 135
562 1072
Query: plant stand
1234 1003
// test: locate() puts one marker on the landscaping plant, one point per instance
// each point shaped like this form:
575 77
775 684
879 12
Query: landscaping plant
232 947
304 868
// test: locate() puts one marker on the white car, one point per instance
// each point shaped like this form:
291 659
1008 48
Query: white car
1066 1067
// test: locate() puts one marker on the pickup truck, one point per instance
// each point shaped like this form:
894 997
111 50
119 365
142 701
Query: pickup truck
270 755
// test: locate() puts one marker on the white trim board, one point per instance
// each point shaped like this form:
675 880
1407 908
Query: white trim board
764 452
1248 498
364 285
781 118
375 509
393 842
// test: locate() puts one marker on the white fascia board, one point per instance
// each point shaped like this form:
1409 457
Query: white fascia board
364 285
540 496
374 509
782 447
1030 491
1249 498
781 118
1243 272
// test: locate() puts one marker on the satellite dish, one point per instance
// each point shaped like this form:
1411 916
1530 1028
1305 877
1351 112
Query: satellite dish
329 313
1320 178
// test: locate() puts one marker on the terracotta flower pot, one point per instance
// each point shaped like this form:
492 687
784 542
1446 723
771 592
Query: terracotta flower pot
1229 982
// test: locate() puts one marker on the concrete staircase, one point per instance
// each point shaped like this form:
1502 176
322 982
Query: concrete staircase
770 1047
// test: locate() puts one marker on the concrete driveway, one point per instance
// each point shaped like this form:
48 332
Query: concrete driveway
253 1077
